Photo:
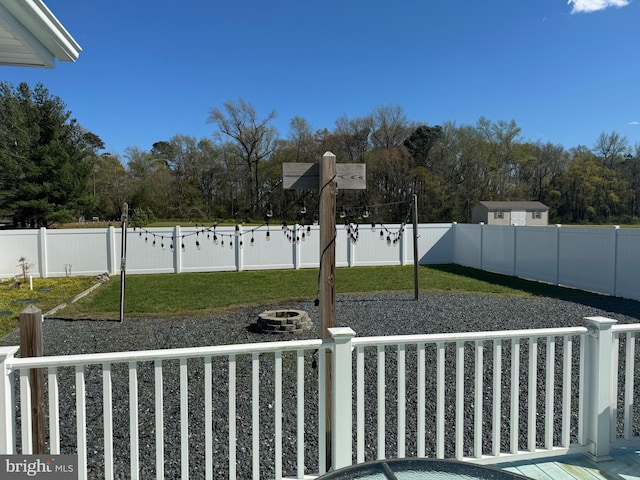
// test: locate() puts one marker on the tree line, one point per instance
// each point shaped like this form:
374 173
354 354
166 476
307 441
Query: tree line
54 171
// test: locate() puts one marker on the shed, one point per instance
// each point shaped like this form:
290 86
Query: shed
511 213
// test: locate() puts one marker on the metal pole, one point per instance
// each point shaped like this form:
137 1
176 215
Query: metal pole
416 260
123 258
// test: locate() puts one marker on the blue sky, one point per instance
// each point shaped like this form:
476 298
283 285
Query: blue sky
563 71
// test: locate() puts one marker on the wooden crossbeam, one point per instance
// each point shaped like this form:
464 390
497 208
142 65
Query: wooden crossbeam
306 176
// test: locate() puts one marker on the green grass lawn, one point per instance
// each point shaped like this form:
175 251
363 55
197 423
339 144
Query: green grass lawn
203 293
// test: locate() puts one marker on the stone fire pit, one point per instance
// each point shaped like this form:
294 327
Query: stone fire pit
282 321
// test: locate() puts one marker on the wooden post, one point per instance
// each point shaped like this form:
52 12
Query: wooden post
326 176
327 288
31 346
327 244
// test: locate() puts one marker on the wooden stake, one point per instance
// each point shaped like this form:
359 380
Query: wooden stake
31 345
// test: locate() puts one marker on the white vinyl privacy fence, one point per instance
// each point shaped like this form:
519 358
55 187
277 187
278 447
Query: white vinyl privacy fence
603 260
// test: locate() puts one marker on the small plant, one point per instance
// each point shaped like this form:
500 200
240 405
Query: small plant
25 266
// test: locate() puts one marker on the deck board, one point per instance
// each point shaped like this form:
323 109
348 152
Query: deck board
624 465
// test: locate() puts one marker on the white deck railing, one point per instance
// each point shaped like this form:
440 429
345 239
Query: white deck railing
482 396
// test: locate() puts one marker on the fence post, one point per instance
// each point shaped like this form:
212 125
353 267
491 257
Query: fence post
298 231
598 396
177 250
238 251
341 401
31 346
481 245
42 252
7 402
111 251
558 233
616 230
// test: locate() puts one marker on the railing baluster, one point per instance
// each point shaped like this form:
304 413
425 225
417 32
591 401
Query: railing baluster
497 397
381 402
532 394
54 411
459 422
107 411
184 419
278 414
232 417
549 392
614 378
402 401
159 417
300 412
477 408
515 396
629 366
322 411
360 404
208 416
25 410
81 422
566 390
582 431
255 414
421 427
133 420
440 400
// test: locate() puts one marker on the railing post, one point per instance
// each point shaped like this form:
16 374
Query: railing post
598 371
341 402
7 401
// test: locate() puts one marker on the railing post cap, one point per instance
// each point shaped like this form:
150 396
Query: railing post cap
600 322
341 332
8 351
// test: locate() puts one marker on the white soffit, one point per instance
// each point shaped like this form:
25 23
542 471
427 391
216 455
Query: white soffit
31 36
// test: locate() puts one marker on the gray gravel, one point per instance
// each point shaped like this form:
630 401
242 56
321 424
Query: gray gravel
367 315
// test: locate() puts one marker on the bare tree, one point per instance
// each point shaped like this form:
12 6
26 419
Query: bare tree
390 127
610 147
353 136
254 138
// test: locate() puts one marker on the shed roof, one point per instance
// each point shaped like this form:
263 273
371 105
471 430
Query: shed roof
31 36
517 205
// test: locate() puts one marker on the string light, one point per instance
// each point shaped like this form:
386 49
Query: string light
294 234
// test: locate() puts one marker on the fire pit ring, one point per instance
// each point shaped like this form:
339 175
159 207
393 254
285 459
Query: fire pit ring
282 321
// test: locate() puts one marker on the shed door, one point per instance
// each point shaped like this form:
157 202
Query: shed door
518 217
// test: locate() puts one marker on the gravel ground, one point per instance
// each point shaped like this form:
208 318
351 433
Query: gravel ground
367 315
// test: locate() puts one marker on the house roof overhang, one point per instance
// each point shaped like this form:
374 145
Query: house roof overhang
31 36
